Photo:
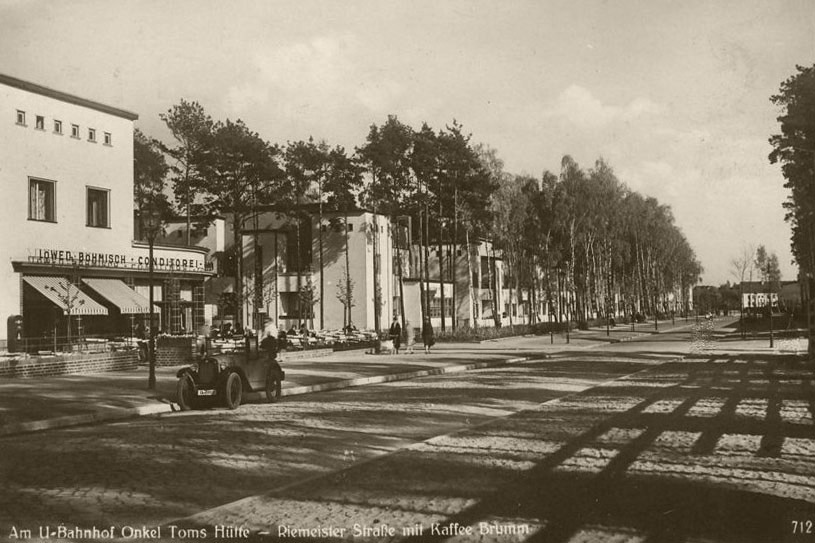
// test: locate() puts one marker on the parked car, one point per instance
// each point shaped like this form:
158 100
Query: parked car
226 376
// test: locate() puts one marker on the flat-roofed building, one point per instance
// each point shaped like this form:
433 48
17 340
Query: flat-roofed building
68 253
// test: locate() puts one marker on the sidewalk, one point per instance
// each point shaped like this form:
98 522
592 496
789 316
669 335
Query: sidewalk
34 404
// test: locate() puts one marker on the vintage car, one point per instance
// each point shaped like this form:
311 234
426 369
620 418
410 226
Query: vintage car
226 376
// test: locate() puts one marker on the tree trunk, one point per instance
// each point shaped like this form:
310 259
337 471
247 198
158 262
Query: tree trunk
441 268
398 252
348 293
237 241
322 267
473 301
494 287
454 259
420 275
427 257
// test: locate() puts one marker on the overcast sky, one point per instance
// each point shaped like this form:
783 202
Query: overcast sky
674 95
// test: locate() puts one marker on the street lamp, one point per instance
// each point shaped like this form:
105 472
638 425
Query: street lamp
152 225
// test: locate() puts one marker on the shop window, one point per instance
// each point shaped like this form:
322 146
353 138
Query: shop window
98 203
41 200
57 127
39 122
21 117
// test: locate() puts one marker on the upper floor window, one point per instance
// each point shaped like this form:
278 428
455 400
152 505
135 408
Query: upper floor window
39 122
57 127
75 131
108 139
41 200
91 134
98 203
21 117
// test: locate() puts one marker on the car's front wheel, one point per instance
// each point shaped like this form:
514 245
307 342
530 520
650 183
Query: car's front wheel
233 392
273 386
185 393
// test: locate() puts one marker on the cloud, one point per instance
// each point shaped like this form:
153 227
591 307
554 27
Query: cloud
580 107
321 75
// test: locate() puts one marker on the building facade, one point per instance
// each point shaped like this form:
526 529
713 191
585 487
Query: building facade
69 263
300 272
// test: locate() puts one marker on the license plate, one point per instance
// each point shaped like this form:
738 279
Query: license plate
205 392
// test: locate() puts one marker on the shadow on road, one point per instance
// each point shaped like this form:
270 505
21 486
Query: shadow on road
705 449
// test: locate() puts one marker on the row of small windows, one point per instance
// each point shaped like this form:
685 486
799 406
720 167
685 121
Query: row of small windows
39 124
42 203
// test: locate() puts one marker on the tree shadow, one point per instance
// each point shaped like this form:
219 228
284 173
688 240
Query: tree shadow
716 449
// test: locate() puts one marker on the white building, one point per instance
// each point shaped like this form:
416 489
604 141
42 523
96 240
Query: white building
471 298
68 253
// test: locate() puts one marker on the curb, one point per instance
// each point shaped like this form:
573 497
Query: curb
87 418
107 415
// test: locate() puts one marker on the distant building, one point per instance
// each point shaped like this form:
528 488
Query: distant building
784 297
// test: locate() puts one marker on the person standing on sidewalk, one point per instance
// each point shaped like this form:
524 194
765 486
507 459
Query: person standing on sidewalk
410 337
395 333
269 343
427 336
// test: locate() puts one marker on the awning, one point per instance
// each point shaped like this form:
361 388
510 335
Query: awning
65 295
119 294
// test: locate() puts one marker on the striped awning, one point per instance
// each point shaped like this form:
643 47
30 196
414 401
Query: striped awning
119 294
65 295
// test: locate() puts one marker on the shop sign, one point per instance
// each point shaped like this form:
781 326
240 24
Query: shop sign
115 260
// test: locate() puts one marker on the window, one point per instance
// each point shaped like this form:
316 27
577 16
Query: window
350 227
57 127
39 122
91 134
435 307
98 208
75 131
21 117
108 139
41 200
290 305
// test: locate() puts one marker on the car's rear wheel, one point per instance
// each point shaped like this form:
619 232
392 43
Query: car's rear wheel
233 392
185 393
273 386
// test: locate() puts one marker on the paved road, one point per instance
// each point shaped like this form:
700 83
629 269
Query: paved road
538 448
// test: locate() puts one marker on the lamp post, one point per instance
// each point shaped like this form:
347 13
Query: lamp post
152 225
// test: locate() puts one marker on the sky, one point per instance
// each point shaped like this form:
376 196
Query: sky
673 95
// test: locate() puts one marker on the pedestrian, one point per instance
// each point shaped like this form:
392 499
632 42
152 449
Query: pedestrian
395 333
269 343
410 337
427 336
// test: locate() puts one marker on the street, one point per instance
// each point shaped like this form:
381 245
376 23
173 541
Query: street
649 440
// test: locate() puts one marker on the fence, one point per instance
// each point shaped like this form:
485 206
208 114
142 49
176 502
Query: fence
51 344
